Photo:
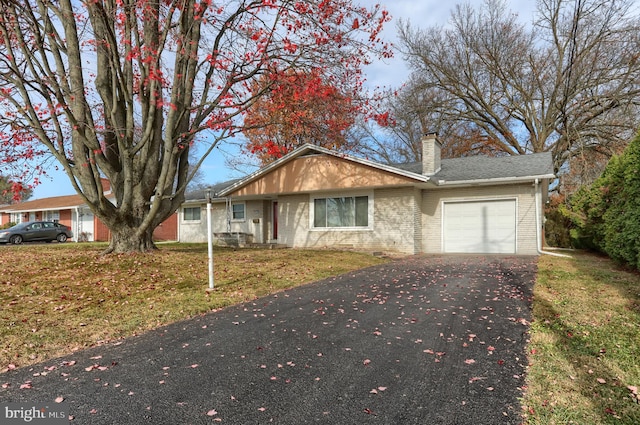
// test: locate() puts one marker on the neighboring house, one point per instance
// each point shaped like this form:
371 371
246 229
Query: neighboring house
72 211
314 197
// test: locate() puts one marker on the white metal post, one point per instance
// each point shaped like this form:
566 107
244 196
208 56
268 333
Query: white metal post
209 239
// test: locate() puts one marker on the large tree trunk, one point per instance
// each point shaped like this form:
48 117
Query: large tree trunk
125 239
132 229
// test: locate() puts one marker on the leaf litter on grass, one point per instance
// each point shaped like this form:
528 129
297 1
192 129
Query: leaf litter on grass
58 299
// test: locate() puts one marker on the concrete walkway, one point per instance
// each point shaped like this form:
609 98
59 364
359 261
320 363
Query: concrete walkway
422 340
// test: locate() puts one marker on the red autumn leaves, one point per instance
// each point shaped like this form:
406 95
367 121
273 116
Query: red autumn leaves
300 107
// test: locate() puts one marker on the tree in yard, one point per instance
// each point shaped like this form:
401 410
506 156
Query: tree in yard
122 89
569 84
300 107
11 191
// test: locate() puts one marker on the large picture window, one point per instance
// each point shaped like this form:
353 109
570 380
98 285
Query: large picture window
349 211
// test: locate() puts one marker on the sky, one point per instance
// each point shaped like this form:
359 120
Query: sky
389 73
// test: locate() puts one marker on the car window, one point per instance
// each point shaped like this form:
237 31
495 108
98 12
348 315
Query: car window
49 225
36 226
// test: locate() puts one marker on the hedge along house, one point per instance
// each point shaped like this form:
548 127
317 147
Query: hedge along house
314 197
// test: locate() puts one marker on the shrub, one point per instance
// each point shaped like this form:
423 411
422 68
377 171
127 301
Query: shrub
606 214
622 216
557 226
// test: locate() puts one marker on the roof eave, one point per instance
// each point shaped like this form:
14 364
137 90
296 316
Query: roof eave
497 180
204 200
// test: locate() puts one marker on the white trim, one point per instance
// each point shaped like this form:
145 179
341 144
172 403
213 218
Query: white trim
185 221
497 180
342 194
244 210
468 200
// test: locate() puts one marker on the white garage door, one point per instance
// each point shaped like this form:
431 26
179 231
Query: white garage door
480 227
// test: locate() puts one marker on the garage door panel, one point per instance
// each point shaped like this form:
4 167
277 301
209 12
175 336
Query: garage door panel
480 227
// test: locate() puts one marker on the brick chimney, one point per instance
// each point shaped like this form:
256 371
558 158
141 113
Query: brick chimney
430 154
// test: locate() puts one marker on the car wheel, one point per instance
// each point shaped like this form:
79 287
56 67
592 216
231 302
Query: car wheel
62 237
16 239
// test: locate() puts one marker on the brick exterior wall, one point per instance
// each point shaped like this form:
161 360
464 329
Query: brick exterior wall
101 233
167 230
65 218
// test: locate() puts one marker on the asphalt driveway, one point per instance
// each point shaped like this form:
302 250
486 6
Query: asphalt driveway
422 340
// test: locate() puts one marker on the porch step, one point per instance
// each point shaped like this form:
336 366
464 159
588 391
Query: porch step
266 246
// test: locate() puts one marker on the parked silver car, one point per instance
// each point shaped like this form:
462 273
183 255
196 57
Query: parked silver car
36 231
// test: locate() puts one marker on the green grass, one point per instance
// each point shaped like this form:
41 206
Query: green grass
59 298
584 353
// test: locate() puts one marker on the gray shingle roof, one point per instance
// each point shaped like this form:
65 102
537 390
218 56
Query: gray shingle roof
201 194
484 167
452 170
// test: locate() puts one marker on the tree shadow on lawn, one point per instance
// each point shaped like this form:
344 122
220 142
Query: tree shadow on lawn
589 317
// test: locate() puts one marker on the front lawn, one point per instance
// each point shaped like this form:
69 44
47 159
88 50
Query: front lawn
58 298
584 353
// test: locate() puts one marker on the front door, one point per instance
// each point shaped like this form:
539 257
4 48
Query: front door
274 217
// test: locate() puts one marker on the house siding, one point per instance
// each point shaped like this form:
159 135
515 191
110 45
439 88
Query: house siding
525 204
417 221
101 231
320 173
395 212
196 231
65 218
395 220
167 230
293 220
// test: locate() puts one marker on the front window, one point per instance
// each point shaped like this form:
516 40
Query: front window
237 211
350 211
51 215
191 214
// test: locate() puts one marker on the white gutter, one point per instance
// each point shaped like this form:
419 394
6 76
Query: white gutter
478 182
539 225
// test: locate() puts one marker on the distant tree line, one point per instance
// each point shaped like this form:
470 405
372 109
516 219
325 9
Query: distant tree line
492 84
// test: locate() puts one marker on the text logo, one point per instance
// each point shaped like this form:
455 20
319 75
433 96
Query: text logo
34 413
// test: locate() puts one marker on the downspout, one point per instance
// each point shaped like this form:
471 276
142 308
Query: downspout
539 226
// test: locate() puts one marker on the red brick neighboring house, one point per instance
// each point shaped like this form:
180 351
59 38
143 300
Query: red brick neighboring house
71 211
